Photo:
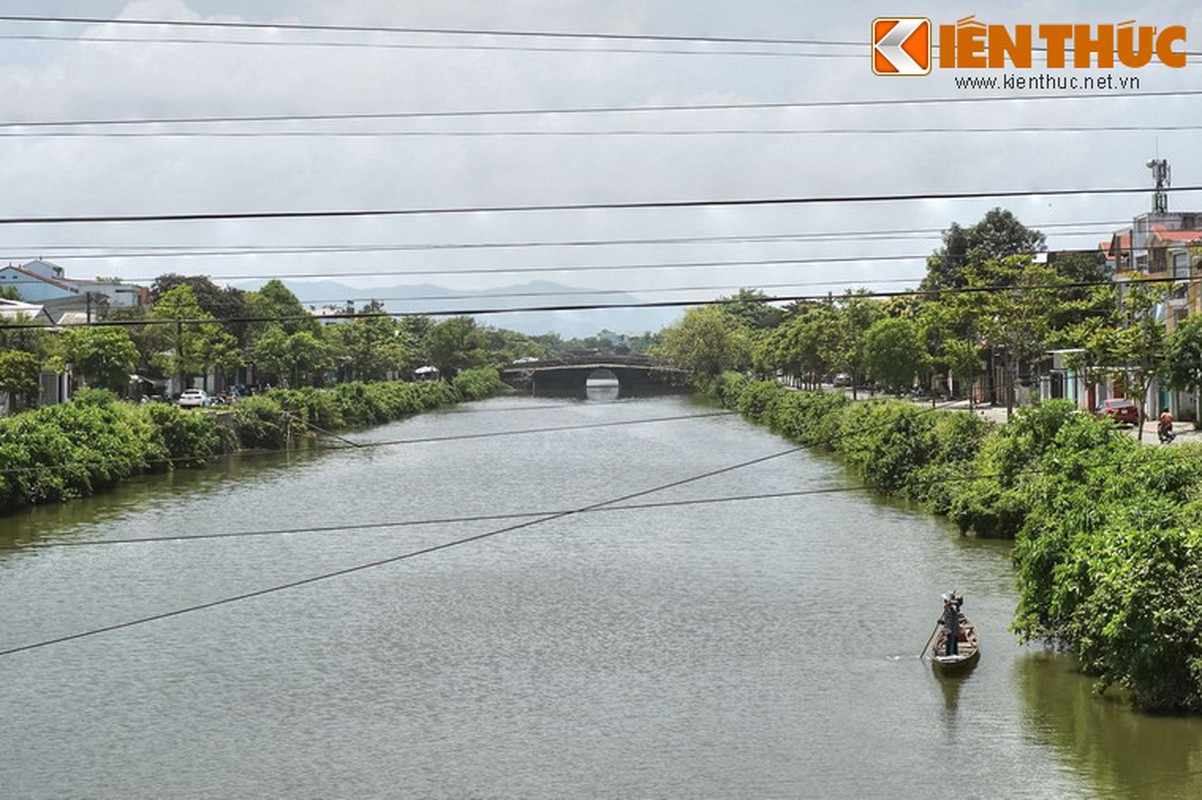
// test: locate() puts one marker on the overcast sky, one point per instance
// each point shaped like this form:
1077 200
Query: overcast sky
70 71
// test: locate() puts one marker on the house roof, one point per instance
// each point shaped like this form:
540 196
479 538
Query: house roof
30 274
1120 240
73 318
1179 236
15 309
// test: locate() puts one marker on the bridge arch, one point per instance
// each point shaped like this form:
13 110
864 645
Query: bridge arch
631 376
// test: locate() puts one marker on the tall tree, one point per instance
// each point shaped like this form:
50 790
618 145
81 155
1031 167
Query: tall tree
185 344
221 303
19 374
894 353
998 235
271 356
367 349
309 359
15 336
752 306
1183 354
276 301
1136 352
104 356
1011 315
455 344
706 342
805 346
856 314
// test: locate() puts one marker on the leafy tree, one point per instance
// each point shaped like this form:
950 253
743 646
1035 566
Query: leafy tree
22 333
187 347
1082 303
271 356
506 346
964 362
894 352
19 377
455 344
999 235
10 293
1136 353
1014 322
1183 358
805 345
367 349
277 301
221 303
706 342
103 356
856 314
751 306
309 359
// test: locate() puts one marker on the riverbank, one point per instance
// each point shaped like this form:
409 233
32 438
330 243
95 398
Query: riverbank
1108 551
61 452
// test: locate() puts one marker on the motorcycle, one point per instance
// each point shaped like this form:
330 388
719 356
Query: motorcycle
1165 432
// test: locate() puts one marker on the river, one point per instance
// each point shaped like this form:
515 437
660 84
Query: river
754 648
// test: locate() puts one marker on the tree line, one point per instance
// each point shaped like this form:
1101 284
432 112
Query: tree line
196 327
985 300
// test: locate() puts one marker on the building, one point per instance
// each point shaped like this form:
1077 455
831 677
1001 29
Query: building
16 311
36 281
1162 245
43 281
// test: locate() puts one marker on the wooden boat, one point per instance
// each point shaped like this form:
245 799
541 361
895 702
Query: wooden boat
968 650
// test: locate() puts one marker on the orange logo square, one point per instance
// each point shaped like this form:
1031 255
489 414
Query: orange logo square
901 46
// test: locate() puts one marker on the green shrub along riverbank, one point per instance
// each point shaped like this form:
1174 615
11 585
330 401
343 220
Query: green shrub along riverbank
1108 531
76 449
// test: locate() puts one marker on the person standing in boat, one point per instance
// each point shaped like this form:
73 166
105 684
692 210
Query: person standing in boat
951 622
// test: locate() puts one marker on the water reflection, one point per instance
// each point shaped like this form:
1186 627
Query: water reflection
1121 753
602 390
143 497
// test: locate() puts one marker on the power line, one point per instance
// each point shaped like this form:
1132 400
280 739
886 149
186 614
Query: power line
92 251
595 292
476 47
453 32
390 560
367 526
573 268
558 207
606 110
352 315
472 32
617 132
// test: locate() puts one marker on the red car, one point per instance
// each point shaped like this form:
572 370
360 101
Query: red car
1120 409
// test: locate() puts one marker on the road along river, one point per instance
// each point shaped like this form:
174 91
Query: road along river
750 648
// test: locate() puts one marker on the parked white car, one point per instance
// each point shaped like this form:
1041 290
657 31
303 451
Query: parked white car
195 398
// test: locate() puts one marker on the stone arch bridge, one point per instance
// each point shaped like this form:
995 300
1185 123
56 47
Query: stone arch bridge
636 375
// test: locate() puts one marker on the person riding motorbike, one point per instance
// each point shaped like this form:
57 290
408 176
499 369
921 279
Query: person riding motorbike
1164 428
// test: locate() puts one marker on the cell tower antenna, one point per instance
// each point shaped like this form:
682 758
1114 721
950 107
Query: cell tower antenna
1160 174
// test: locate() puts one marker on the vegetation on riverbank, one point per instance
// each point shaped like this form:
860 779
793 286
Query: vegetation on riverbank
1108 532
76 449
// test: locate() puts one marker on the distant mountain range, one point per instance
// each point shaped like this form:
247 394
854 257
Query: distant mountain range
428 298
